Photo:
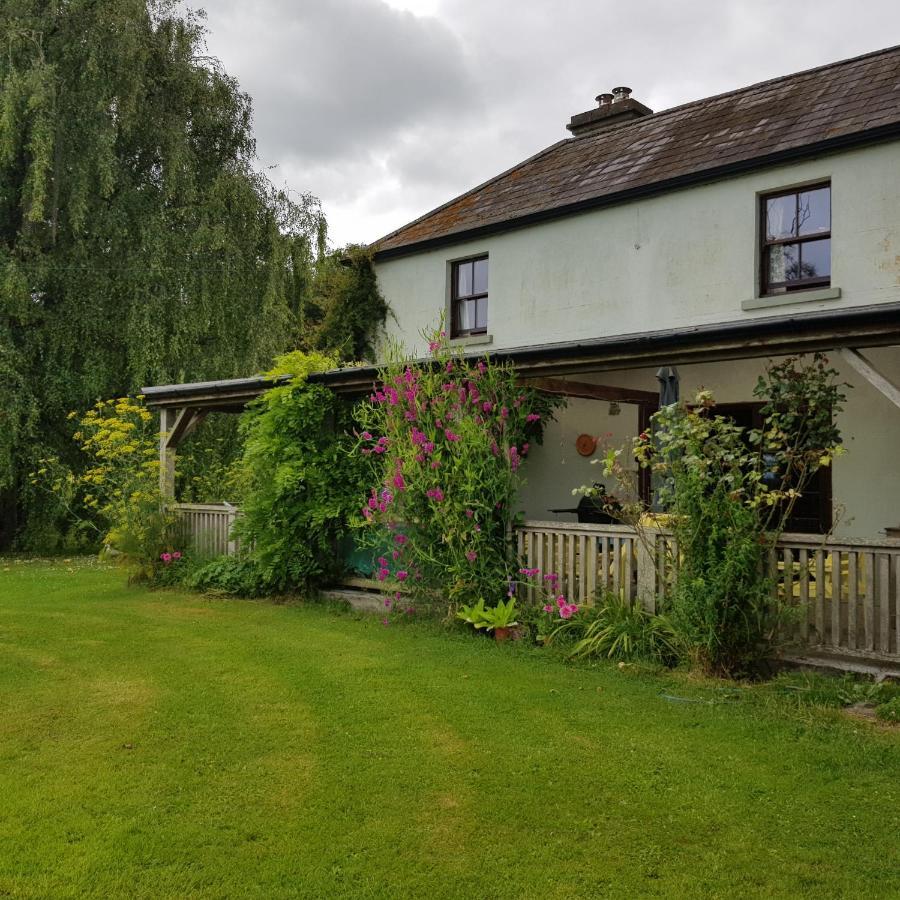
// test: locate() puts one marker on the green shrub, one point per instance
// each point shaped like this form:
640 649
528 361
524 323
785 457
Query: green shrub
447 440
728 493
303 480
889 711
235 575
617 630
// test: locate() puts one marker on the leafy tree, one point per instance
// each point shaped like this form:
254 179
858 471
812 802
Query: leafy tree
138 244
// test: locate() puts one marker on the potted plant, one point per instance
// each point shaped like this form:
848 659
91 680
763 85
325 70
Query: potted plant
499 619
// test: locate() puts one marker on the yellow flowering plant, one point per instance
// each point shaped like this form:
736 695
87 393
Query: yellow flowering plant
117 494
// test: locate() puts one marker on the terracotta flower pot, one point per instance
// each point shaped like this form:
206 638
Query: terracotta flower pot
501 634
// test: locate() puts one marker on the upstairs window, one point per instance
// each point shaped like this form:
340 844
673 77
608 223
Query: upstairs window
469 296
796 240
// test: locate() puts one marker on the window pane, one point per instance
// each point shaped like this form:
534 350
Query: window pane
466 315
463 279
481 313
784 263
481 276
816 259
780 216
815 211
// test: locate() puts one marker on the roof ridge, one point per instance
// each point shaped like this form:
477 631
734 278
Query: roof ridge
471 190
768 82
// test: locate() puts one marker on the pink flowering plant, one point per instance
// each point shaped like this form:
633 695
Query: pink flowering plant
446 439
541 592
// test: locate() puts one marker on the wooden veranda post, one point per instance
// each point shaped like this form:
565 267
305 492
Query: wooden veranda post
166 456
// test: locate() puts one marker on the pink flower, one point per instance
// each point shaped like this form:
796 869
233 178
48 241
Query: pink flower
477 527
382 561
402 575
532 417
400 539
388 602
548 608
450 435
470 513
166 557
482 368
176 555
366 435
561 601
566 612
487 406
504 412
471 555
395 555
434 345
385 622
399 481
373 503
435 494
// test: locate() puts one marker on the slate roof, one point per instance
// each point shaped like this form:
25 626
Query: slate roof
837 105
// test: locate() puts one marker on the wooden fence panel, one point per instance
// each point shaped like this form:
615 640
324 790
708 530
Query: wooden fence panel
207 527
848 592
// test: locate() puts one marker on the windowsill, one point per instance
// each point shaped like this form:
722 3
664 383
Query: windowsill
472 340
815 295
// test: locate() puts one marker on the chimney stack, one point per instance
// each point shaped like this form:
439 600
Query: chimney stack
617 107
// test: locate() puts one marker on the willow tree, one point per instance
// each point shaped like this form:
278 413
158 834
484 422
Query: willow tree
138 243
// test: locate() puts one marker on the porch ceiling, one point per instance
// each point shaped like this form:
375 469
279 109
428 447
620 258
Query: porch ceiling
869 326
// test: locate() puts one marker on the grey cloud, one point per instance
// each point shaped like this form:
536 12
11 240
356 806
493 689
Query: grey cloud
385 115
332 80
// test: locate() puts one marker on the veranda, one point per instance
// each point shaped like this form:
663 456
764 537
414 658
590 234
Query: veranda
840 565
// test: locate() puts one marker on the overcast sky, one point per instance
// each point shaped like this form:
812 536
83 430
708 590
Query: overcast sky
387 108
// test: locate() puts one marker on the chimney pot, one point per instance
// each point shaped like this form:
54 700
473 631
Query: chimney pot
615 108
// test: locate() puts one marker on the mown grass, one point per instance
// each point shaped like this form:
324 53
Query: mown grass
171 745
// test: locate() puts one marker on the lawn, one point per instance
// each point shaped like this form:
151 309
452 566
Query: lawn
171 745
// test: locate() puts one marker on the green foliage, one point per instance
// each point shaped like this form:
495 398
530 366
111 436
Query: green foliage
346 310
303 480
618 630
503 615
118 494
728 493
238 576
447 439
138 244
889 711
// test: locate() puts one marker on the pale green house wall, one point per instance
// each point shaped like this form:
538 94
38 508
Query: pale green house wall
680 259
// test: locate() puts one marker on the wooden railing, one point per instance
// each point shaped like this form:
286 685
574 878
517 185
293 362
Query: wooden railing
206 527
847 592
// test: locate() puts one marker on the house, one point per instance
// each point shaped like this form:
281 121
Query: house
685 247
709 237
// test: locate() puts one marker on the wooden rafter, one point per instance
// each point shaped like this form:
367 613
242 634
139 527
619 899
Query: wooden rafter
584 389
861 365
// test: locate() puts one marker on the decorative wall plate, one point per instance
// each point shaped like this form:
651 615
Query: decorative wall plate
586 444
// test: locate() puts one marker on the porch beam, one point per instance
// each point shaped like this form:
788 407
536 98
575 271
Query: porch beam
862 366
587 391
185 422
